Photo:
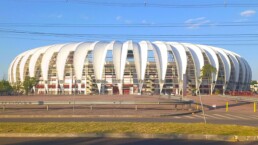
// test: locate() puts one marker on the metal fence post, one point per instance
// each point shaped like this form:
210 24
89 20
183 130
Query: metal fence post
254 106
226 106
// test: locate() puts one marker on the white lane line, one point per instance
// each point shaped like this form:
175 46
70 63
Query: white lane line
254 116
198 116
211 116
238 117
251 117
177 117
224 117
191 117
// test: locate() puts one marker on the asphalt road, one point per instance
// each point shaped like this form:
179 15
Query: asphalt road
212 118
112 141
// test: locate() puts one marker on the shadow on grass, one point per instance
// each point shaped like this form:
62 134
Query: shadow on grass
113 141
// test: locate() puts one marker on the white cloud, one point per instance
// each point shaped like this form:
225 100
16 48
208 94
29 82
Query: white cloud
84 17
248 13
118 18
128 21
143 21
241 20
121 19
57 16
196 22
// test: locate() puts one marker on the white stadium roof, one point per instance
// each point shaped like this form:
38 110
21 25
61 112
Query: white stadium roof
230 60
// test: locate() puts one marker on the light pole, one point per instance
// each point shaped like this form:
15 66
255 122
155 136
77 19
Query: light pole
72 87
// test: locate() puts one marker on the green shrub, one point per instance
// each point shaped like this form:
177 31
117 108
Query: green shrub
217 91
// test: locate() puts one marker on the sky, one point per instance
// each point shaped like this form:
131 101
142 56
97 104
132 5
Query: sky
229 24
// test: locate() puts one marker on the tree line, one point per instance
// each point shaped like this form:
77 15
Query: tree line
27 85
17 88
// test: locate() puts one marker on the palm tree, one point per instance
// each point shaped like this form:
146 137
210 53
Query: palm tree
206 72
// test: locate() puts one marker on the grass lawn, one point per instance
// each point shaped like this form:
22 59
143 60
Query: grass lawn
128 127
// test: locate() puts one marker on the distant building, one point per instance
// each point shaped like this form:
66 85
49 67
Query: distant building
130 68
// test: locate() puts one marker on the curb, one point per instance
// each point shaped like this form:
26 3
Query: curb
77 116
181 114
94 116
229 138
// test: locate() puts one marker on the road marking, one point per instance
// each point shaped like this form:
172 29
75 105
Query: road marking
198 116
191 117
238 117
251 117
254 116
222 116
217 116
210 116
177 117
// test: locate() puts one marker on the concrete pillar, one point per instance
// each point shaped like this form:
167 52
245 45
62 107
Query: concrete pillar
120 88
46 88
161 87
56 90
61 86
79 88
184 87
70 86
85 87
99 87
140 87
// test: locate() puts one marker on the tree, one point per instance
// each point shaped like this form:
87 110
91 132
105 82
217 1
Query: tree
5 87
17 88
253 82
28 84
206 72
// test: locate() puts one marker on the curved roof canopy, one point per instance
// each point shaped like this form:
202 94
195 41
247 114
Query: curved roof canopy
56 56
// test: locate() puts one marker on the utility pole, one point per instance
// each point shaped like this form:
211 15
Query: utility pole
203 113
200 98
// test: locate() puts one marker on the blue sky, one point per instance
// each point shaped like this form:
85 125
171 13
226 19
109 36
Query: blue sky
213 25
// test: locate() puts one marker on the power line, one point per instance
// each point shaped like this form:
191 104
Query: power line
71 40
49 25
82 35
148 4
213 39
241 39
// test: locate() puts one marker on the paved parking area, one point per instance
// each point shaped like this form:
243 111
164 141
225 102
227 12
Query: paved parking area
218 104
111 109
235 107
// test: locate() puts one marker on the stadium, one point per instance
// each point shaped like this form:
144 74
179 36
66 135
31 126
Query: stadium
130 68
